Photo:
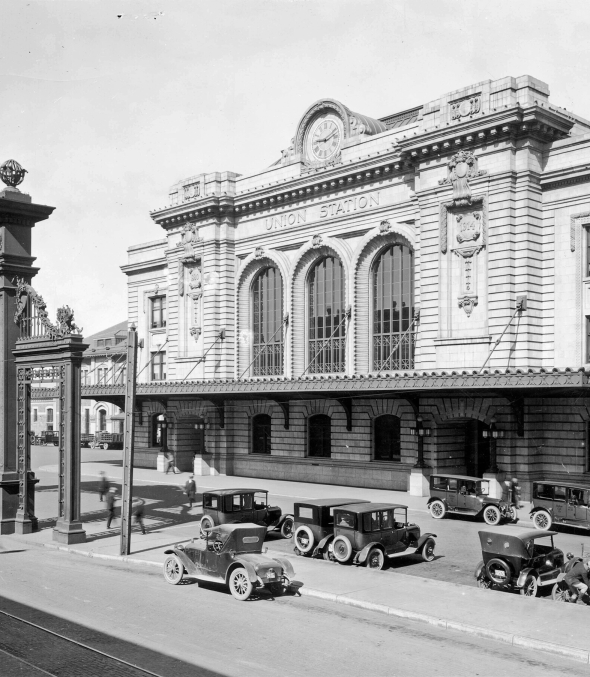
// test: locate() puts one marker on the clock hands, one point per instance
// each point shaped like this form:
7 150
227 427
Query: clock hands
330 135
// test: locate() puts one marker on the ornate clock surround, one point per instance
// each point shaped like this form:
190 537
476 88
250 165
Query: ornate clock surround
319 107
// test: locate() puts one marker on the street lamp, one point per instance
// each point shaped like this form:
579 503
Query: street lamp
421 432
163 423
492 433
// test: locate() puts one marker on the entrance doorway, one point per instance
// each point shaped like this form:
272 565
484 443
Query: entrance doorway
461 448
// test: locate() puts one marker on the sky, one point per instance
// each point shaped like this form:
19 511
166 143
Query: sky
107 103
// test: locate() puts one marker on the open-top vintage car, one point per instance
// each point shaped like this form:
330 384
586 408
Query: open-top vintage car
233 506
559 503
371 533
230 554
526 561
314 520
468 496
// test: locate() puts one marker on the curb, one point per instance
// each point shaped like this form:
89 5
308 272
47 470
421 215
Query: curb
581 655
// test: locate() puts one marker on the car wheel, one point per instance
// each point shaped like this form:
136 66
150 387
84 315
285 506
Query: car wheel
499 571
484 582
206 523
491 515
328 556
512 514
428 550
304 540
375 559
561 592
342 549
105 445
173 570
240 584
437 510
542 520
287 528
530 587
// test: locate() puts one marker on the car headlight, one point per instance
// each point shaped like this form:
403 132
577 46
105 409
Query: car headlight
549 563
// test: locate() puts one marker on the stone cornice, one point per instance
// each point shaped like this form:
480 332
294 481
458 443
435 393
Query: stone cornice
565 176
322 386
143 265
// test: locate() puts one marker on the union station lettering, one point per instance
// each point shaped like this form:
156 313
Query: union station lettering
352 204
282 220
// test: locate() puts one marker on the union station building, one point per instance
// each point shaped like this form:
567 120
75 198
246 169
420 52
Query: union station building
393 296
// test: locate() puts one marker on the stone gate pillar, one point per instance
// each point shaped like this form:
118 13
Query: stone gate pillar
18 216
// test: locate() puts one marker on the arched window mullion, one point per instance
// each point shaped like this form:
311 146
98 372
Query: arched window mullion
267 304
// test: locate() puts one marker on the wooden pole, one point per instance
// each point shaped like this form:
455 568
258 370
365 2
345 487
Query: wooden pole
130 385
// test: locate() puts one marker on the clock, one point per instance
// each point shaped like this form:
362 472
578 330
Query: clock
324 138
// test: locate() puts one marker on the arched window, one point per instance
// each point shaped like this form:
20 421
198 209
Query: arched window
393 309
387 438
261 435
327 319
267 323
102 419
319 443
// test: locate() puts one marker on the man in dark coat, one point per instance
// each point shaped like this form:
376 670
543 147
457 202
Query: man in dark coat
578 581
103 485
190 489
138 504
111 506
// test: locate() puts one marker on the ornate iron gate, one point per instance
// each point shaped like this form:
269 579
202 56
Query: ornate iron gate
48 352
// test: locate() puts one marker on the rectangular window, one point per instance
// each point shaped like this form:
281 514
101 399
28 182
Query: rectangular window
345 519
587 261
158 313
559 494
304 513
49 418
587 338
84 377
158 366
439 483
211 502
544 491
35 415
86 421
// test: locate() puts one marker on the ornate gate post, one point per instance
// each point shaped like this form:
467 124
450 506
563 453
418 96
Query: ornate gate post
18 216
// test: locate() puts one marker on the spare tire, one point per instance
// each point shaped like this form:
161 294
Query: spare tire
342 549
304 539
499 571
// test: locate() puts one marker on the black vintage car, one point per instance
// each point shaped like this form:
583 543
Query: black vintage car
232 506
526 561
372 533
558 503
464 495
230 554
314 520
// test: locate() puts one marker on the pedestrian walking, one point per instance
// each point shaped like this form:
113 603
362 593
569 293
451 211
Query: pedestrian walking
111 506
169 463
103 485
190 489
138 513
513 492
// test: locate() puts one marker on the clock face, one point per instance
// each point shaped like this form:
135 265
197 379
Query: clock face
324 138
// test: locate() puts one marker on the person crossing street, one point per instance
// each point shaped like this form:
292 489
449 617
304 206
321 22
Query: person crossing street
190 489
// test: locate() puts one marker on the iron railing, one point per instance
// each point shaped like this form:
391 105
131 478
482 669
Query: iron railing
394 352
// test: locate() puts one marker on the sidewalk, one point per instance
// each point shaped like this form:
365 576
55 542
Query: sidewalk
538 624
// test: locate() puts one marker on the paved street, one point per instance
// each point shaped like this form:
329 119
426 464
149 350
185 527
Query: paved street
134 616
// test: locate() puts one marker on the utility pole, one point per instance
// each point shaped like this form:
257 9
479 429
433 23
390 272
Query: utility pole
130 385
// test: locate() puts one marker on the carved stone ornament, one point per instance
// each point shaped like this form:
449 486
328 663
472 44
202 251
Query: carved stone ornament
385 227
189 241
259 252
468 303
195 332
317 241
288 154
465 107
356 126
462 167
32 316
468 227
191 192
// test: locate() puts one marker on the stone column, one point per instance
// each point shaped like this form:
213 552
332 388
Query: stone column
18 216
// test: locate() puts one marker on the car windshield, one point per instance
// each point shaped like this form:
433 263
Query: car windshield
400 517
539 546
345 519
260 500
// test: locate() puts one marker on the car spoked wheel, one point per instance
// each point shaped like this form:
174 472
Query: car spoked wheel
437 510
304 540
342 549
240 584
173 570
287 528
206 524
428 550
561 593
491 515
375 559
484 583
542 520
512 514
530 587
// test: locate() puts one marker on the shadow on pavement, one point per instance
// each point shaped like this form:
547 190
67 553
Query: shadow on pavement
51 650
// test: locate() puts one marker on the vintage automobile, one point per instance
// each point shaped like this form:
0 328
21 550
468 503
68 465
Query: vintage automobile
526 561
558 503
231 506
372 533
230 554
468 496
314 520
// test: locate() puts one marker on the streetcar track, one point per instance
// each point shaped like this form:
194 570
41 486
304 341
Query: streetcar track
73 642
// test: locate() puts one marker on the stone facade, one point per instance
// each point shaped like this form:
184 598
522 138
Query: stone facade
486 191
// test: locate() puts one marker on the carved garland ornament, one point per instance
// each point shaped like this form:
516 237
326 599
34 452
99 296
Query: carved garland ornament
461 167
